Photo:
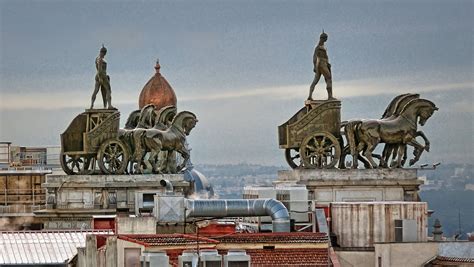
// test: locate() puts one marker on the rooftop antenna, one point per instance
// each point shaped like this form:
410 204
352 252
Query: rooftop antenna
459 225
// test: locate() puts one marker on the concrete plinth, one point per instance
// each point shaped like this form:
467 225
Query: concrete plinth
73 200
330 185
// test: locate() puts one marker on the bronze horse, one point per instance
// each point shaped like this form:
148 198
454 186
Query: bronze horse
171 139
393 111
145 118
364 135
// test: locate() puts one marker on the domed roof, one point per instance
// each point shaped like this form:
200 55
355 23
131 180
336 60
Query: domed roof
157 91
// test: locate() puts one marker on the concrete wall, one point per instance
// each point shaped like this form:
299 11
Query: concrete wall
121 246
136 225
359 193
405 254
347 174
356 258
361 224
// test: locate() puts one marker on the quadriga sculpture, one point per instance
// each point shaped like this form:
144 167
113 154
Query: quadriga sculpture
399 130
155 140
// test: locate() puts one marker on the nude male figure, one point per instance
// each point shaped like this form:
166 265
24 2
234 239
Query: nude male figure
102 80
321 67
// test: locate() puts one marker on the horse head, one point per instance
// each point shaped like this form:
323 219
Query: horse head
426 111
185 121
419 108
166 115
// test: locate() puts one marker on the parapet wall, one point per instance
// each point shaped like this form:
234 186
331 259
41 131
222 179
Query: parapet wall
329 185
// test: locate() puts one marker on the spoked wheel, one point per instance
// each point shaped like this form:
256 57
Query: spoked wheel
77 164
320 150
113 157
293 157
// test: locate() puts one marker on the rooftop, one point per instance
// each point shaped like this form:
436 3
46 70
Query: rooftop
295 237
167 239
41 247
288 257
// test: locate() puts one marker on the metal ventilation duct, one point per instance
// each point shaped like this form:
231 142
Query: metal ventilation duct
241 208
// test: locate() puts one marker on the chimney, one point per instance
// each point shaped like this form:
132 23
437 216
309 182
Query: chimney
437 232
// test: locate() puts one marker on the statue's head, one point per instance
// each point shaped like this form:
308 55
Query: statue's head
323 36
103 50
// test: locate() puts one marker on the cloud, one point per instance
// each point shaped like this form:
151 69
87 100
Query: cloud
57 99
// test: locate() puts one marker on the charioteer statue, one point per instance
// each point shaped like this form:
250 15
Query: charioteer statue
102 81
321 67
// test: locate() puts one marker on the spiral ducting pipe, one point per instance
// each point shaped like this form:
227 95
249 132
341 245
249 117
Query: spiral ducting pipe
241 208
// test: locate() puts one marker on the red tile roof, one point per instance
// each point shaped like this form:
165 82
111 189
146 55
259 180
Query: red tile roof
441 260
288 257
295 237
167 239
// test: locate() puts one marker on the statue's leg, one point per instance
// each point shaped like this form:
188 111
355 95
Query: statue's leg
94 94
317 76
108 94
328 78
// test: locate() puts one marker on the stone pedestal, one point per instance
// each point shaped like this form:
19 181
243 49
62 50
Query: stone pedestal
73 200
335 185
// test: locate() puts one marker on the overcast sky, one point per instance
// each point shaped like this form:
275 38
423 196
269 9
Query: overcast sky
238 65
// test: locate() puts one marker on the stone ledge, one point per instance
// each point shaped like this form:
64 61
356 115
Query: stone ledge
307 175
112 181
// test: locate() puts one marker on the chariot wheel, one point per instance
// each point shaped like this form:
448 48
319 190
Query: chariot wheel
320 150
113 157
293 157
77 164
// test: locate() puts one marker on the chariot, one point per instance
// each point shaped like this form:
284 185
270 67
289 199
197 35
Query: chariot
312 137
92 139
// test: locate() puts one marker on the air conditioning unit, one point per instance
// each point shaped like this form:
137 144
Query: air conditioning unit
150 259
236 258
144 202
406 231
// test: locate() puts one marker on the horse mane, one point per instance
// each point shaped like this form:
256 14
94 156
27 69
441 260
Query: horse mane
164 111
132 120
416 102
392 106
403 102
144 115
181 116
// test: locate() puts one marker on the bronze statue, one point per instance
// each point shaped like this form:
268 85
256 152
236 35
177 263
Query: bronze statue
102 81
321 67
364 135
171 139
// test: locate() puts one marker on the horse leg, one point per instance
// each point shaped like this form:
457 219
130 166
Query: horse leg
368 153
405 156
398 162
387 149
418 151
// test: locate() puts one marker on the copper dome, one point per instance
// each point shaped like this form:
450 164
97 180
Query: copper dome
157 91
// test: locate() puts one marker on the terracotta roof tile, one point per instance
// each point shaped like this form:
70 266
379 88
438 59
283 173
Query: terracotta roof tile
296 237
166 239
446 260
288 257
